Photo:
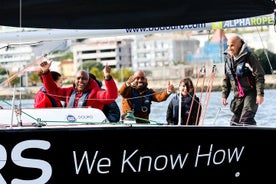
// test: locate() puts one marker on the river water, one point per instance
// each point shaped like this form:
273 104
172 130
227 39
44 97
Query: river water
216 113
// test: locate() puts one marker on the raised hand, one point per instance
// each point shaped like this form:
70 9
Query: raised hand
107 71
130 81
45 66
170 87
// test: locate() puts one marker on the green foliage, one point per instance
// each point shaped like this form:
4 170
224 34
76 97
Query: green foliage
97 72
122 74
3 71
34 78
15 81
119 75
66 57
88 65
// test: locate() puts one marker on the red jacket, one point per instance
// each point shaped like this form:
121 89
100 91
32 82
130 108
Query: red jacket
42 100
96 98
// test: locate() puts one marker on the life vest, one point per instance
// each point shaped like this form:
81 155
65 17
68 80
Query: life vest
53 101
141 103
242 69
82 99
112 112
185 108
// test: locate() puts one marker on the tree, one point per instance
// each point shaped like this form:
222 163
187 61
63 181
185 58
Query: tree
3 71
119 75
34 78
122 74
67 56
15 80
88 65
97 72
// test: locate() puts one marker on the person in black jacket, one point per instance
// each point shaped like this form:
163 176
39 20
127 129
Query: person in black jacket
190 105
245 76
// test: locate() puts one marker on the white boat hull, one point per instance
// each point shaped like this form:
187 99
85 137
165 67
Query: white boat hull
52 116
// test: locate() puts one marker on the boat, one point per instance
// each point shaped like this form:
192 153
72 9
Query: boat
80 146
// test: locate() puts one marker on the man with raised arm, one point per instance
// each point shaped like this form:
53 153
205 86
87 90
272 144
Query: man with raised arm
137 97
84 92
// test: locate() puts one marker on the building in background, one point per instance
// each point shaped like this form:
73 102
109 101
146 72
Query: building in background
114 51
160 50
66 68
212 50
15 58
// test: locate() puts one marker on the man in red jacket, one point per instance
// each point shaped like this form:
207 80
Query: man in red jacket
85 91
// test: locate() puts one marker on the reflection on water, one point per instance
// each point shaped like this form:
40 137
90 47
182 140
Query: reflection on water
216 114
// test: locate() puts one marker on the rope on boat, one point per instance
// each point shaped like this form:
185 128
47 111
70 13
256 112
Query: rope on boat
17 109
180 104
208 92
36 61
78 122
131 116
200 98
193 98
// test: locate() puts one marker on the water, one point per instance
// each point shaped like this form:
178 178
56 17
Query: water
216 113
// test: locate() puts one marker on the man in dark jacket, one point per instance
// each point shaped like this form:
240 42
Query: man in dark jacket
245 75
137 97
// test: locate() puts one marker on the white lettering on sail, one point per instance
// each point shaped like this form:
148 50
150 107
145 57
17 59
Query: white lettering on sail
44 166
218 156
158 163
102 164
136 161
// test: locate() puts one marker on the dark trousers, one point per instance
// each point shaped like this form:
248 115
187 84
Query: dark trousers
244 109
